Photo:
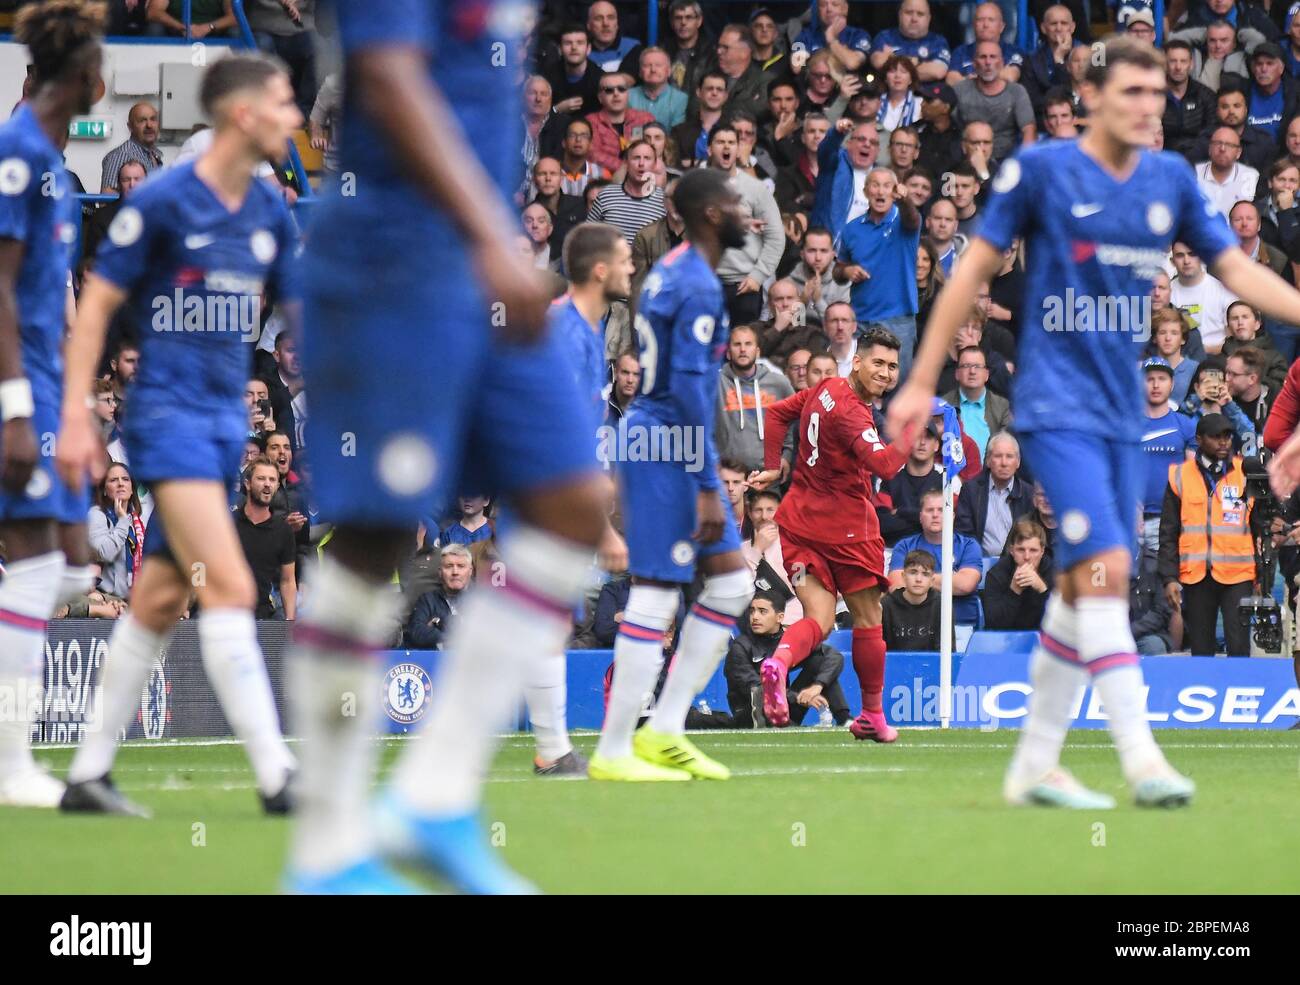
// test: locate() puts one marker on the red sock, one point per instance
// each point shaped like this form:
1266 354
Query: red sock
869 664
797 642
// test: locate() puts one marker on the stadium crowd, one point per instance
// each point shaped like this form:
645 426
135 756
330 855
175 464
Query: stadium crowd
863 141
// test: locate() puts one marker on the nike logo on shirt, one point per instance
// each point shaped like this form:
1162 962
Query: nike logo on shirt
1152 435
1082 210
197 242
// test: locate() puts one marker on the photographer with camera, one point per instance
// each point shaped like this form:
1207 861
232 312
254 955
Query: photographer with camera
1207 551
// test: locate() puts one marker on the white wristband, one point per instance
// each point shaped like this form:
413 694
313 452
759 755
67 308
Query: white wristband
16 399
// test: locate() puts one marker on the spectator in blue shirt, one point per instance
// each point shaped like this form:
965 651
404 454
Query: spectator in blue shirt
1166 437
967 562
472 526
1274 95
914 39
830 29
844 158
877 255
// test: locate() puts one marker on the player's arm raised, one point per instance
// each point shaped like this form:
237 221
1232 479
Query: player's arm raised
391 85
79 449
911 404
776 423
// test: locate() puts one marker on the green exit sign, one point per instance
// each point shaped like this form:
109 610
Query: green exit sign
90 128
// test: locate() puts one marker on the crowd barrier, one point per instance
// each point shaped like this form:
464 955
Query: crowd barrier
989 691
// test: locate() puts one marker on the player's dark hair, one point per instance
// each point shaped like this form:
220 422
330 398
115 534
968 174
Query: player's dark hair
772 598
1123 49
59 34
587 245
919 559
246 70
697 190
878 335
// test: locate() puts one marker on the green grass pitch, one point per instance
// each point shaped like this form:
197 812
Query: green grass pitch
808 811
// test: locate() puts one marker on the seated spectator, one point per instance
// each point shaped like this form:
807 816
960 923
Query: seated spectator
608 45
656 135
966 180
1207 560
566 210
746 388
288 389
1169 333
1166 436
988 24
982 412
579 170
1274 95
792 327
1245 330
656 239
764 544
690 140
1242 374
920 187
637 201
769 48
910 615
106 404
926 52
820 366
751 157
1047 67
1256 149
473 524
141 146
1223 178
814 684
919 475
435 610
1210 395
1059 119
940 137
615 126
268 543
129 175
1149 615
900 106
290 499
257 398
929 279
115 527
574 77
989 507
971 336
796 369
1015 592
93 605
746 82
1217 59
735 485
627 384
655 95
814 277
539 228
1279 219
941 230
966 562
208 18
1201 295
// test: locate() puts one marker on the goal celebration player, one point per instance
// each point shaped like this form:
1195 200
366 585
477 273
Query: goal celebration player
673 512
42 519
830 538
1098 216
415 299
196 248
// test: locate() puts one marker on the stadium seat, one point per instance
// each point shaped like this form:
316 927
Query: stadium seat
1002 641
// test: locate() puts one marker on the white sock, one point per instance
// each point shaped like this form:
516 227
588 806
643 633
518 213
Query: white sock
335 682
27 595
498 634
704 639
236 670
75 583
132 650
638 655
1107 649
1056 675
547 694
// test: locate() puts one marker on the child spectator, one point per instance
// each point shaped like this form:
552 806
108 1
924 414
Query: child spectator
911 612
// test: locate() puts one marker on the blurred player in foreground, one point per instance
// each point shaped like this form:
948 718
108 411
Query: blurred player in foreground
411 273
830 539
42 519
673 511
1098 215
194 252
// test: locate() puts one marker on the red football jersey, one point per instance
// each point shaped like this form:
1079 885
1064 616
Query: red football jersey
829 497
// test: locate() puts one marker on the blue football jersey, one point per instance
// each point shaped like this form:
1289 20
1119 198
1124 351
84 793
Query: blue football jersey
195 273
37 210
933 47
472 48
682 331
585 344
1094 244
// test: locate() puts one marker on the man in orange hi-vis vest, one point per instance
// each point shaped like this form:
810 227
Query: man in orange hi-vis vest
1207 557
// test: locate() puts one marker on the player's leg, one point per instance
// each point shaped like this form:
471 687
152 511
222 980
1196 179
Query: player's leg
869 664
706 631
810 576
546 693
202 538
27 596
158 598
